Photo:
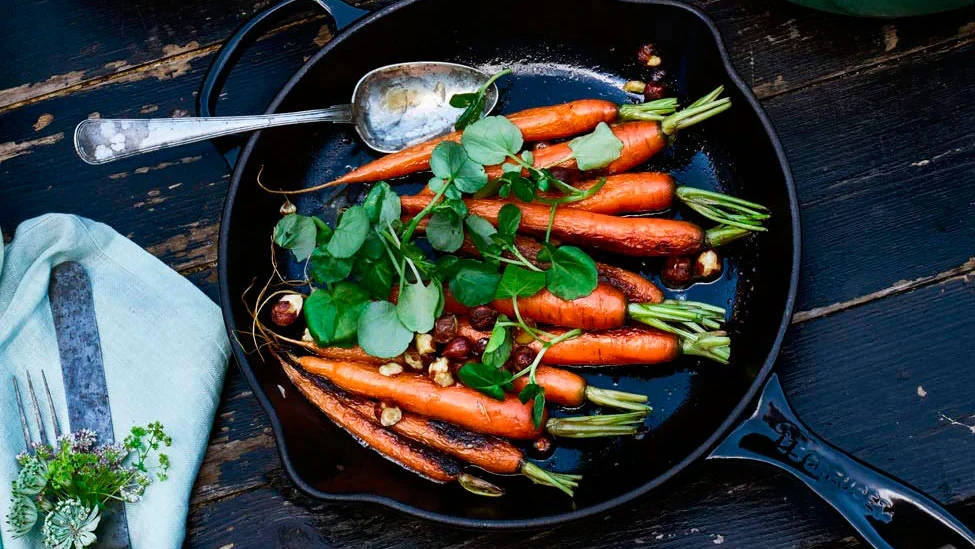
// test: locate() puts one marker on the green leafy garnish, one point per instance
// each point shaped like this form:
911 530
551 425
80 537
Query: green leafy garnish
486 379
381 334
450 162
597 149
572 273
320 313
297 233
325 269
445 232
473 103
350 233
382 204
491 140
519 282
417 306
474 283
537 392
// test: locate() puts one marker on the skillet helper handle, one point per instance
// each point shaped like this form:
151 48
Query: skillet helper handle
886 512
342 15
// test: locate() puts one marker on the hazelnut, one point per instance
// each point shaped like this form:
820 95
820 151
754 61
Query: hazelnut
287 208
390 415
654 91
440 372
523 337
523 356
285 312
479 346
677 272
391 369
707 266
424 344
445 328
458 348
482 318
413 360
542 445
648 56
634 86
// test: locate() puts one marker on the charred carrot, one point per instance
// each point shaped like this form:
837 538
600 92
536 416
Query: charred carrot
654 191
406 453
493 454
633 236
537 124
461 405
629 345
603 309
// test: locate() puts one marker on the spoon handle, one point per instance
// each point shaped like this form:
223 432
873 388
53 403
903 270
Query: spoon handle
99 141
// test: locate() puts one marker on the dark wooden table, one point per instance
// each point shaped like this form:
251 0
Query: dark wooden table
878 121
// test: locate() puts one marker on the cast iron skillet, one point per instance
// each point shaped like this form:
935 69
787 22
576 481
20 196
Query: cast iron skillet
697 406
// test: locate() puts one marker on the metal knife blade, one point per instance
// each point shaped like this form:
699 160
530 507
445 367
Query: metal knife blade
84 374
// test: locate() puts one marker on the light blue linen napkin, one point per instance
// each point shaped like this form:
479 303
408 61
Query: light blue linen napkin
164 348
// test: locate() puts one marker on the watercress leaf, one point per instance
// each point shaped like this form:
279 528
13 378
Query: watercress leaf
490 140
523 189
297 233
441 300
509 218
321 314
447 265
497 357
529 392
489 190
471 113
382 204
349 293
458 206
504 190
376 276
487 379
325 269
449 161
350 299
545 254
474 283
572 274
445 231
597 149
509 167
519 282
461 100
436 184
538 408
527 157
380 332
417 305
350 232
498 335
480 230
453 193
372 247
324 231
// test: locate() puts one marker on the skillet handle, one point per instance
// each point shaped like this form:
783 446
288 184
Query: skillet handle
886 512
342 15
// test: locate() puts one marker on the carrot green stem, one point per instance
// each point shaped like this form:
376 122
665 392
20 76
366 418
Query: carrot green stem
479 486
713 345
617 399
651 110
562 481
687 319
725 209
596 426
698 111
723 234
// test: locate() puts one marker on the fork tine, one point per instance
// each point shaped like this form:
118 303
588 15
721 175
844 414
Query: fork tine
23 415
37 411
50 403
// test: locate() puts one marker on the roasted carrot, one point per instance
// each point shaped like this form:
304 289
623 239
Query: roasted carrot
633 236
493 454
628 345
536 124
603 309
409 455
417 393
624 193
571 389
463 406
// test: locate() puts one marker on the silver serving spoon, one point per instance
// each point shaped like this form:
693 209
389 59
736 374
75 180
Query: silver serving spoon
392 108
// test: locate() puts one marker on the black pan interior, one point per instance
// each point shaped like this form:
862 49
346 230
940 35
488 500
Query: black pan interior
559 51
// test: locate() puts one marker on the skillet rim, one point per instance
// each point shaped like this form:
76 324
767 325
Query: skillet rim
552 520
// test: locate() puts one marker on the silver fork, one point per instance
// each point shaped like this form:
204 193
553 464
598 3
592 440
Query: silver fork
36 408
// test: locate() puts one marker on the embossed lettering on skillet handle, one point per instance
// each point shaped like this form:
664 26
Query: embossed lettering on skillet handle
886 512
